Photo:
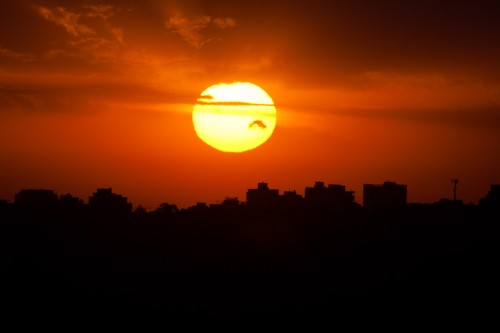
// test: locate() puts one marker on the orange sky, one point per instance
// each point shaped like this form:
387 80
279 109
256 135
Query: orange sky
100 93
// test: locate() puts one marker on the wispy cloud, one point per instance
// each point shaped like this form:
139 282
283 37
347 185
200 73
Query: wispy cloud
92 36
101 11
192 30
10 54
224 23
67 19
27 99
117 33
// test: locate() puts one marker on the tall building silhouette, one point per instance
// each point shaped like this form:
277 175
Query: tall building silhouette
70 203
492 199
36 199
332 197
104 201
3 204
290 198
388 196
230 202
262 197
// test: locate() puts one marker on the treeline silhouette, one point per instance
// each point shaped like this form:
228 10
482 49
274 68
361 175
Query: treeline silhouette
271 256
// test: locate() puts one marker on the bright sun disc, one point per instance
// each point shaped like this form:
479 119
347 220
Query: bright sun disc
234 117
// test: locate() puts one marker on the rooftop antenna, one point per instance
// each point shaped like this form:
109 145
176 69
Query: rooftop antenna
454 181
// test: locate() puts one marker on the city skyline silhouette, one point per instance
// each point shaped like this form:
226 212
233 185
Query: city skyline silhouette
270 257
209 159
289 193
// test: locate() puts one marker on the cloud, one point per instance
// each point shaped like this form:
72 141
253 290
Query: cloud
257 123
87 95
90 42
191 30
10 54
101 11
224 23
92 37
28 99
117 33
485 118
67 19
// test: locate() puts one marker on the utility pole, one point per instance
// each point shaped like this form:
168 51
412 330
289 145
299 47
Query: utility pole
454 181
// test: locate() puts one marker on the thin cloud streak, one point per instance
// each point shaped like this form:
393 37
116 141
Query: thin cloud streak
67 19
192 30
18 56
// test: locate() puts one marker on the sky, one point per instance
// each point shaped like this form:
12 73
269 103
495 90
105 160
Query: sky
99 94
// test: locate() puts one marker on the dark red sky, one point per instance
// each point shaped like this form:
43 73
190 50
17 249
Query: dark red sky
99 94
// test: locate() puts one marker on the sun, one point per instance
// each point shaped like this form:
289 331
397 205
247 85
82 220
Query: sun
234 117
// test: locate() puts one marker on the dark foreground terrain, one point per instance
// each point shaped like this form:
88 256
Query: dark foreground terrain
419 263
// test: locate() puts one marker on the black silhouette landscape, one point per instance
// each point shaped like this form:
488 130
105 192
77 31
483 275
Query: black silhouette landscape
122 123
274 255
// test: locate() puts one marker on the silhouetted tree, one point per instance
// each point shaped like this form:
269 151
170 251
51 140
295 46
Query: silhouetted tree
166 211
140 212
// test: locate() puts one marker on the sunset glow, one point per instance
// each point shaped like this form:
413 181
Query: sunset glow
283 161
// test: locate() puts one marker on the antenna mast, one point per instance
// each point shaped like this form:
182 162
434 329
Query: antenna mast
454 181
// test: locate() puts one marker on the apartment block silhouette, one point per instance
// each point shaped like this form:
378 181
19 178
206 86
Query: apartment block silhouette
386 196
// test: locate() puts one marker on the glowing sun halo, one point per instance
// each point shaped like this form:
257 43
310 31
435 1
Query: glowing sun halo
234 117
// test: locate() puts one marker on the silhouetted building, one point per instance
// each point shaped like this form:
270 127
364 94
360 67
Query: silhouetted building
331 197
4 204
386 197
492 199
201 205
230 202
291 198
446 203
104 201
36 199
316 193
262 198
68 202
228 207
200 209
291 202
